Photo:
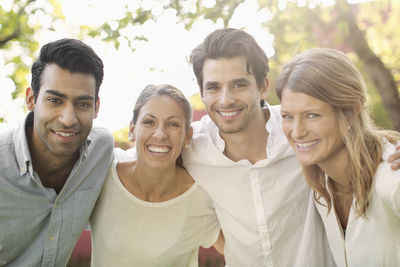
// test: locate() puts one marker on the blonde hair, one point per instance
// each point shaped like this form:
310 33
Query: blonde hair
329 76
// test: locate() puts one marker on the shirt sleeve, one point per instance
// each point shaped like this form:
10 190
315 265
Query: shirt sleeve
387 182
211 227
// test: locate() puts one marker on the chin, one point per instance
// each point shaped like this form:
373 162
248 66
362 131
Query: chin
306 162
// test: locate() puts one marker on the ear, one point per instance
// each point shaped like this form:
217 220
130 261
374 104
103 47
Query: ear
96 107
188 137
264 89
131 133
29 99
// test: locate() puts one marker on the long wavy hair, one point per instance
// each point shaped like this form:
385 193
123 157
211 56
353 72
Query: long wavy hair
328 75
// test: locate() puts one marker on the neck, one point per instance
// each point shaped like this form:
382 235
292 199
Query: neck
52 171
338 169
250 143
157 185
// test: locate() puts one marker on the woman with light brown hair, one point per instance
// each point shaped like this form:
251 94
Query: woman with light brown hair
344 156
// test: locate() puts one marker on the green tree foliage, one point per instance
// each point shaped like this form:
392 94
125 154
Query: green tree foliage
368 32
19 22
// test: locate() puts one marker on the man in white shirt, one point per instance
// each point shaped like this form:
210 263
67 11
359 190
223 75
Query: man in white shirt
240 156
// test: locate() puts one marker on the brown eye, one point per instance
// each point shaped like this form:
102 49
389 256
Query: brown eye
54 100
173 124
148 122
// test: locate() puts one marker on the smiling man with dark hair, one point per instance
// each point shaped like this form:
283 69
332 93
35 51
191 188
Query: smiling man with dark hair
53 166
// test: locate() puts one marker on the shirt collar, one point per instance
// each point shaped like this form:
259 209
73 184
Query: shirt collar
22 149
21 144
272 122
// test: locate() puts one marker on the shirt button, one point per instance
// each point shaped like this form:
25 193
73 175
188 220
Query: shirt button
51 237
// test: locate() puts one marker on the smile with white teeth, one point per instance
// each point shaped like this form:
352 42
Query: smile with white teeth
158 149
65 134
307 144
228 114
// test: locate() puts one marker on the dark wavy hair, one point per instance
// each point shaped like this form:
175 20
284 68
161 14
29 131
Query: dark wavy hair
230 43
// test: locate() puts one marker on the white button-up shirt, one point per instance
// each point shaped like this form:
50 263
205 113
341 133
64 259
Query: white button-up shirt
265 209
375 240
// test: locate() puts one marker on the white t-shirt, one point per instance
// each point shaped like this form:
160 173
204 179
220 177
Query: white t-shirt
127 231
265 210
374 241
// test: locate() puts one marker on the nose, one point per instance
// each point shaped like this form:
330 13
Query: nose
299 130
68 116
226 97
160 132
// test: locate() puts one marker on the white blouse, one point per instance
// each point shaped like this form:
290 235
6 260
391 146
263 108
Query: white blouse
375 240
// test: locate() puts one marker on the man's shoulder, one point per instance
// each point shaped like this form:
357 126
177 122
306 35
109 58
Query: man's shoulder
9 140
100 134
384 168
101 139
205 126
6 136
275 110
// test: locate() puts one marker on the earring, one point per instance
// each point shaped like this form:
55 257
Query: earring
186 145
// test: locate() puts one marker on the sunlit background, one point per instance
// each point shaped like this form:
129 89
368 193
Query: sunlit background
149 42
163 58
160 56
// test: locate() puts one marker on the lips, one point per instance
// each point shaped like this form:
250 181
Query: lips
158 149
307 145
229 114
65 134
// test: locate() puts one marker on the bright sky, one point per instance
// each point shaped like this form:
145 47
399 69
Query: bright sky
163 59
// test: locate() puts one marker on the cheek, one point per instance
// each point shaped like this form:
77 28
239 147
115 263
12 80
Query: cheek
206 100
286 129
179 138
86 120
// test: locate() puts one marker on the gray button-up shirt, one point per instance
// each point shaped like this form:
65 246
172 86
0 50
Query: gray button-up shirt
37 226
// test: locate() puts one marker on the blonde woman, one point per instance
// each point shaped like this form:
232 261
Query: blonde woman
344 157
150 211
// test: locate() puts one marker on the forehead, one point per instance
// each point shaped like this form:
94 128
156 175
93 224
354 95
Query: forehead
162 106
68 83
298 101
221 69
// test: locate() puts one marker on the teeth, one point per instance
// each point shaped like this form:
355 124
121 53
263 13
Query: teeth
159 149
65 134
307 144
228 114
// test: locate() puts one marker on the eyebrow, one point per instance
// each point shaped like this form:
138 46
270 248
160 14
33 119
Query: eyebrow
304 111
207 84
170 117
241 80
61 95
